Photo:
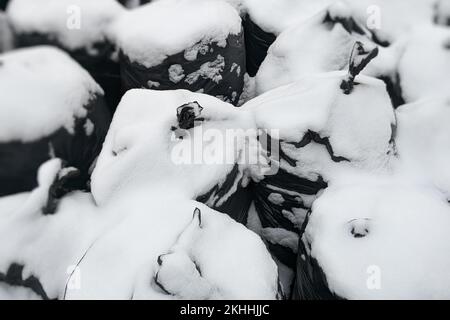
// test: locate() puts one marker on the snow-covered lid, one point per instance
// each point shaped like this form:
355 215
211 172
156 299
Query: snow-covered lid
358 124
145 149
75 24
382 239
424 68
41 90
152 32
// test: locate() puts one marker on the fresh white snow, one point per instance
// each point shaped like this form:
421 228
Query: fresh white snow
152 32
41 90
76 24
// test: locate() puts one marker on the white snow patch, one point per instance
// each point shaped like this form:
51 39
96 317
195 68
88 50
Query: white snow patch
424 68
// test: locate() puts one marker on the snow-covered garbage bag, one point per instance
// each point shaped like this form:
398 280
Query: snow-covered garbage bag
442 12
6 34
321 44
200 143
80 27
319 125
183 44
45 113
3 4
266 19
148 244
377 238
424 66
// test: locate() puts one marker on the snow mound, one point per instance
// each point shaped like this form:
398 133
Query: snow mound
183 24
144 144
382 239
37 97
425 64
76 24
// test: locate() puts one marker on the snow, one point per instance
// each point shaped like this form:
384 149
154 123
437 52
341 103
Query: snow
16 293
276 16
37 96
423 135
202 21
316 103
47 245
425 64
6 36
404 253
312 46
141 240
76 24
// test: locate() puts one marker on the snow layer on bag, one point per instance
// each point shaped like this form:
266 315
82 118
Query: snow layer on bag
382 239
276 16
423 137
139 31
385 18
6 35
37 97
424 67
320 44
142 243
58 18
144 145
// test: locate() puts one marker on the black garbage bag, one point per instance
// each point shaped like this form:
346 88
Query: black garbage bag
200 59
103 69
78 146
6 34
257 43
310 282
98 58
